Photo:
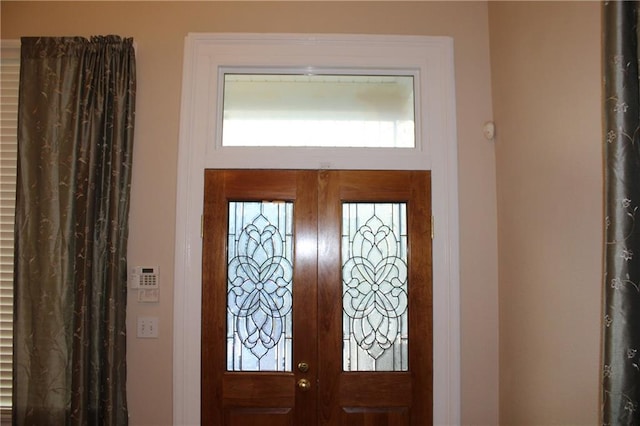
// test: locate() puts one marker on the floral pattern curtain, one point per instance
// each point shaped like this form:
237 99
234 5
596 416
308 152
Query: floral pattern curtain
75 137
621 310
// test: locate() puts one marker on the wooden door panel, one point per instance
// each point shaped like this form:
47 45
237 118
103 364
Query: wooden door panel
243 397
386 389
238 416
411 390
367 416
247 390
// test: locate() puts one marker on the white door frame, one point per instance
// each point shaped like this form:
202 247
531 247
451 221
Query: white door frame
199 148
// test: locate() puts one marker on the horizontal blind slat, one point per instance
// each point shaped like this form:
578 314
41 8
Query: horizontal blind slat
9 85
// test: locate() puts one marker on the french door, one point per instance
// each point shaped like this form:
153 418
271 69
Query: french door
316 298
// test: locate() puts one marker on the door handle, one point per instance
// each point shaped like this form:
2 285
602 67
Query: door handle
304 384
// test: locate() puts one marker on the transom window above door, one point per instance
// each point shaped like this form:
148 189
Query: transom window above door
318 109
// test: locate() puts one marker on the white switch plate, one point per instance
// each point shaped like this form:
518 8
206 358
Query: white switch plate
148 327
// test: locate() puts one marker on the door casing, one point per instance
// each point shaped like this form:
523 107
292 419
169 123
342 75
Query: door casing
204 53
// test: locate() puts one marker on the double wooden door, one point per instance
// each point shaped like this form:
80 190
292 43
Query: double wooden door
316 298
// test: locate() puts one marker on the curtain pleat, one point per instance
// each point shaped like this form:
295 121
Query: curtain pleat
621 322
75 140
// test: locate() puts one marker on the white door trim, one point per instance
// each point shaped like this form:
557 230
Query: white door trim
198 149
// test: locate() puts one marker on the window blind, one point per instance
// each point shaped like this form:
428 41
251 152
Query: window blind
9 77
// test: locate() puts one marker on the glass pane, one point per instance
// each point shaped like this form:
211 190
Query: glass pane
374 287
259 286
370 111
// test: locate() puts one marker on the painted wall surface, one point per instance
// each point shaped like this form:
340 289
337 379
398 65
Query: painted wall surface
159 29
546 73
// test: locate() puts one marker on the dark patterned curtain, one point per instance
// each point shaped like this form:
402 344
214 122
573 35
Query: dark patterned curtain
621 342
75 135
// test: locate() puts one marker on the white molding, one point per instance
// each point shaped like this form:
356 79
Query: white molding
433 58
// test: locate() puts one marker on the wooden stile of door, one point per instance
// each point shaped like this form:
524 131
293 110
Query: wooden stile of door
316 388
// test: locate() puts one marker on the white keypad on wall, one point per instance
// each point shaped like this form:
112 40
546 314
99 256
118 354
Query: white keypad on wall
145 277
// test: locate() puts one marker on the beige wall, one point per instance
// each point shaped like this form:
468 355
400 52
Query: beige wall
545 69
545 59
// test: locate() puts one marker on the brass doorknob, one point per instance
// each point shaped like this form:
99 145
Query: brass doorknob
303 367
304 384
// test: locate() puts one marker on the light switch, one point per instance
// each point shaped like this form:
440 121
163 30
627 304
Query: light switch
148 327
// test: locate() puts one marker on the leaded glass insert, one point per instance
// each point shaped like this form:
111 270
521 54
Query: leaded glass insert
259 286
374 286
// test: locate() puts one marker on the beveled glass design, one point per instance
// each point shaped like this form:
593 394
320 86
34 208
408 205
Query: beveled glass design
375 288
259 286
318 110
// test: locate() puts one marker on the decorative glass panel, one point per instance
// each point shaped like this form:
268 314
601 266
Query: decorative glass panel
374 286
259 283
370 111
